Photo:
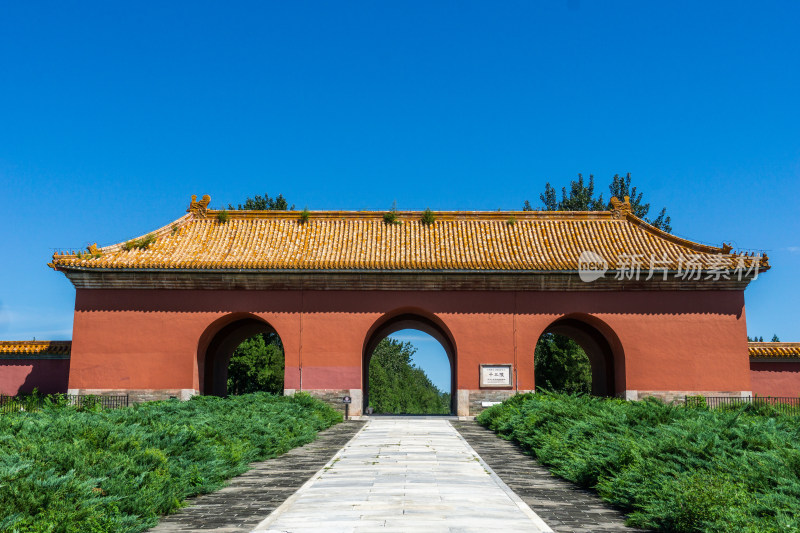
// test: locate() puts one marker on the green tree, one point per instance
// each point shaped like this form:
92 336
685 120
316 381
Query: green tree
257 365
580 196
560 364
264 203
396 385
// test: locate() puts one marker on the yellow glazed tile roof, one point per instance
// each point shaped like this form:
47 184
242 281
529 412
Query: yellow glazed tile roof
34 348
364 241
774 350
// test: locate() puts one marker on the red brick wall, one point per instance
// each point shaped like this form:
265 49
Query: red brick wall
662 341
775 378
22 375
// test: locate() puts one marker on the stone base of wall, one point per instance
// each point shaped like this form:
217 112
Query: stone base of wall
670 396
472 402
140 395
333 397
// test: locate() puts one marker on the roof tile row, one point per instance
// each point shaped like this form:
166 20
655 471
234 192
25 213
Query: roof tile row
363 241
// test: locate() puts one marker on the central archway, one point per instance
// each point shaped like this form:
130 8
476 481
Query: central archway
222 338
403 321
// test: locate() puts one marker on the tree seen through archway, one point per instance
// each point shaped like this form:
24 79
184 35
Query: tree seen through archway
257 364
398 385
561 365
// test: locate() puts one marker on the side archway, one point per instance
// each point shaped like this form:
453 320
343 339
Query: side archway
602 348
405 320
217 345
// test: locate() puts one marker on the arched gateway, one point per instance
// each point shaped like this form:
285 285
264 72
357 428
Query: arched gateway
657 315
409 319
217 345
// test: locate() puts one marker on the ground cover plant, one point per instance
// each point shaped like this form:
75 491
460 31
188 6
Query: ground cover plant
671 468
65 469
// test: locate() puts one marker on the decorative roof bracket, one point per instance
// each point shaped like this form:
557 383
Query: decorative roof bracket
621 209
198 209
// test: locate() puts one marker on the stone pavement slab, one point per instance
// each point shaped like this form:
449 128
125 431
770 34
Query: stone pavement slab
255 494
565 507
402 475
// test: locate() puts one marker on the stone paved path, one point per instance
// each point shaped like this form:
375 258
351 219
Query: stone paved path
565 507
255 494
405 475
399 475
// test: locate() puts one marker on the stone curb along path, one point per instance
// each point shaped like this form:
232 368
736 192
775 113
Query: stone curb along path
565 507
404 474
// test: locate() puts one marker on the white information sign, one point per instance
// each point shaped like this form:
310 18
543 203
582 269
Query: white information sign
496 376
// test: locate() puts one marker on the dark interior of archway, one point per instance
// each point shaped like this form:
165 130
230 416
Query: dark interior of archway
574 357
245 356
392 384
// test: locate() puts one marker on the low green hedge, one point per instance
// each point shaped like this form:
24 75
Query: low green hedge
671 468
71 470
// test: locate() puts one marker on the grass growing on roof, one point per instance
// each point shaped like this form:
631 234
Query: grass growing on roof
671 468
64 469
140 244
428 217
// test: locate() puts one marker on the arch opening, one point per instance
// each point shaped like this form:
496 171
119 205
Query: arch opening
246 355
396 356
573 355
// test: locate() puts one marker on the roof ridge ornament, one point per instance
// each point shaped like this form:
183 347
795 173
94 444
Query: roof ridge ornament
621 209
198 209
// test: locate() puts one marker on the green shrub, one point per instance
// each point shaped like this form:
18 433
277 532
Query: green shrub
305 214
671 468
428 217
390 217
66 469
223 216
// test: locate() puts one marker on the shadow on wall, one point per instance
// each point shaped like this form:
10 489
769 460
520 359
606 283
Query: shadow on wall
437 302
17 376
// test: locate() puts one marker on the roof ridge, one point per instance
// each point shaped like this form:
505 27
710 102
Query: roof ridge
770 344
774 350
35 347
696 246
342 213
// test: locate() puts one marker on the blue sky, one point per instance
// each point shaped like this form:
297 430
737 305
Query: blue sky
112 114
